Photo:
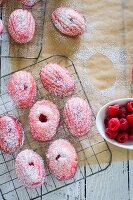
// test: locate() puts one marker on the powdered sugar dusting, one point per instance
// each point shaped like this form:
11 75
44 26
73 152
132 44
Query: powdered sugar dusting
62 159
68 44
21 26
29 2
57 79
1 26
22 88
30 168
44 130
77 116
121 86
11 134
68 21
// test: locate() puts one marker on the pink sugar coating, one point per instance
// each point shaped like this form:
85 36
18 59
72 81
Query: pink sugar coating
11 134
68 21
62 159
44 131
57 79
1 26
30 169
22 88
21 26
29 2
77 116
1 1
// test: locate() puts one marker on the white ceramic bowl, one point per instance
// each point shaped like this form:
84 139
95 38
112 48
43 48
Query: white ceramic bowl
101 127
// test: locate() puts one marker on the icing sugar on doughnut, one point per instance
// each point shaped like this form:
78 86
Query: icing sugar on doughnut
11 134
44 119
29 2
22 88
62 159
57 79
68 21
77 116
21 26
30 168
1 26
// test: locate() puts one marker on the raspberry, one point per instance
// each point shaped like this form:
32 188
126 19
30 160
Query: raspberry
106 121
123 124
122 137
113 110
130 119
114 124
122 113
130 131
130 106
111 134
130 134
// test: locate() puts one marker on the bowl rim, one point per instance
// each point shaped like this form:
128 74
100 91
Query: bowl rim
102 109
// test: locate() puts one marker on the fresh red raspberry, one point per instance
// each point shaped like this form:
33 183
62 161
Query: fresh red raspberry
113 110
114 124
130 119
130 134
122 113
122 137
130 131
111 134
123 124
130 106
106 121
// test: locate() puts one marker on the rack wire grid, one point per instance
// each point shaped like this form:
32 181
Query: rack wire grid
32 49
93 152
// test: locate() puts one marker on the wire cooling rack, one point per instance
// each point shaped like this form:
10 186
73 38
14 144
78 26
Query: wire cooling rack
93 153
32 49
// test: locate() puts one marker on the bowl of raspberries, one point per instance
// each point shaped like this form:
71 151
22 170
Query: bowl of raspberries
114 122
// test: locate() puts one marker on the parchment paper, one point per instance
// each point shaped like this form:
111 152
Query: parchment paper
103 54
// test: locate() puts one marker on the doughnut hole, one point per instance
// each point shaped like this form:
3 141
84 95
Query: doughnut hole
43 118
71 19
25 86
31 163
58 156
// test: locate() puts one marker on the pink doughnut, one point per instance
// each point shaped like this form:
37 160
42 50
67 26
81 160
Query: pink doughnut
77 116
11 134
1 1
29 3
1 26
57 79
68 21
21 26
62 159
44 119
22 88
30 169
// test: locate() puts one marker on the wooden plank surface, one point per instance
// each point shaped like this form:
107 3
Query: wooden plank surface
112 184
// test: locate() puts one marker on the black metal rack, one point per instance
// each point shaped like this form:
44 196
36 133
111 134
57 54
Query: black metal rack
93 152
